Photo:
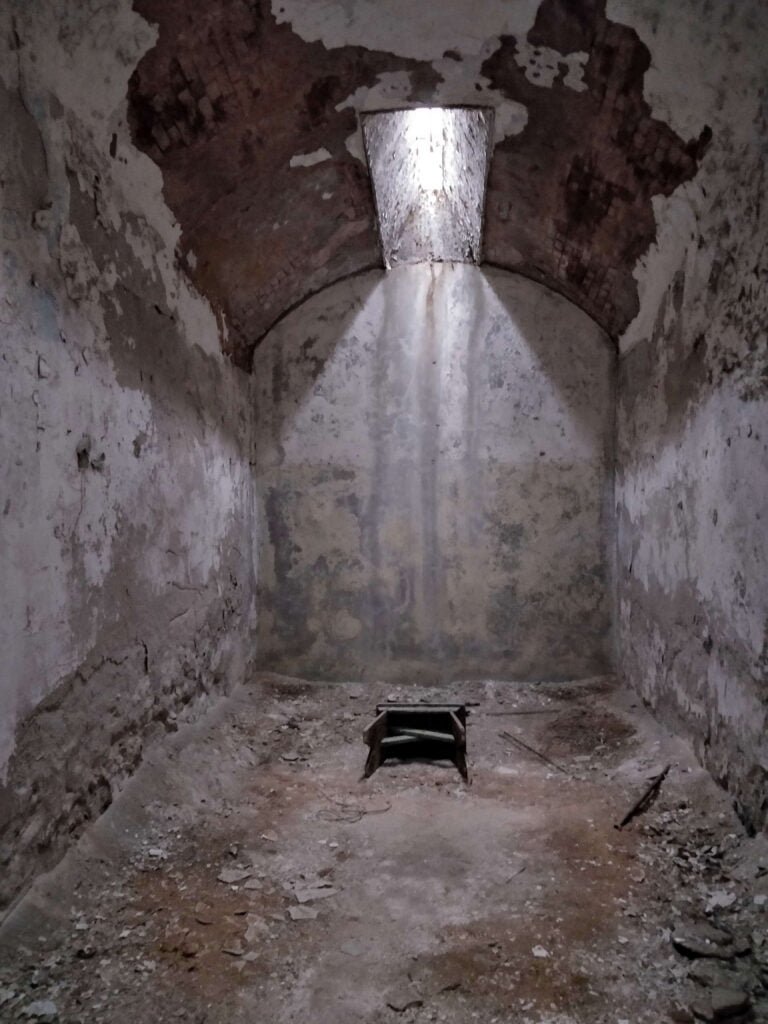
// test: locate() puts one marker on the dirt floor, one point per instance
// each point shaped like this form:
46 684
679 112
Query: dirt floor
248 874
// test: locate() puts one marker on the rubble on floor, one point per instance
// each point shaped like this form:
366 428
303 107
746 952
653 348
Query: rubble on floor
249 874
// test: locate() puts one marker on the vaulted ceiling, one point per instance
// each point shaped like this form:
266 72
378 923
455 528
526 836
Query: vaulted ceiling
256 132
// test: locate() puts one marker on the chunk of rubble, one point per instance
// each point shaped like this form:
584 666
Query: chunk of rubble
203 914
729 1002
41 1009
302 913
709 973
680 1015
231 876
720 899
233 949
257 928
312 893
721 1004
704 940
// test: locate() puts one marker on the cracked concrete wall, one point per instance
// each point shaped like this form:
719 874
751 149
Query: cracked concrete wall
126 562
434 462
692 477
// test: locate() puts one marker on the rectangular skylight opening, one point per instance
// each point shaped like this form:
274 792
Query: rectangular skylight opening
428 168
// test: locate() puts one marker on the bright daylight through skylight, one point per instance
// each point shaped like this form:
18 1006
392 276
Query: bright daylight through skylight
428 168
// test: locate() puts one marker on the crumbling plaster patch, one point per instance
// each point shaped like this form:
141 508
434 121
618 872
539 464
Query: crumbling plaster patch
705 71
225 101
692 474
126 563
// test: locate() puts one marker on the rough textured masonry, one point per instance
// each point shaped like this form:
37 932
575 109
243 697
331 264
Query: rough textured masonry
237 97
434 462
125 541
692 475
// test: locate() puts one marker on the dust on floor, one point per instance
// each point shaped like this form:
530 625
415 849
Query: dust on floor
248 874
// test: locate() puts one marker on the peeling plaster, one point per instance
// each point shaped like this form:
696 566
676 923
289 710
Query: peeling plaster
558 76
692 472
126 477
417 31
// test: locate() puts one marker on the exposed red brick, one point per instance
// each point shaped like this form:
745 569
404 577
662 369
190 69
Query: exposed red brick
228 96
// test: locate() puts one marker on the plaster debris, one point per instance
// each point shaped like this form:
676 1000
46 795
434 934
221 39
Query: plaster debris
302 913
434 866
314 893
41 1009
309 159
231 876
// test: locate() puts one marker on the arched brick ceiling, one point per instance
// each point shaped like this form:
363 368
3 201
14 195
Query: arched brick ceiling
228 96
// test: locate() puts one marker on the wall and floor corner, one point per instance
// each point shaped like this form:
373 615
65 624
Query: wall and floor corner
417 477
125 554
692 467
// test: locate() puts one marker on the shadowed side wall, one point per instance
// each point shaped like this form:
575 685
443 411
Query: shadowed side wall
126 578
434 466
692 462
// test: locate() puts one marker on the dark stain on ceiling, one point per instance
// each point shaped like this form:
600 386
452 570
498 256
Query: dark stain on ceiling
228 96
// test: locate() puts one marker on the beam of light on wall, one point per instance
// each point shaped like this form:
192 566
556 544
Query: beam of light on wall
429 167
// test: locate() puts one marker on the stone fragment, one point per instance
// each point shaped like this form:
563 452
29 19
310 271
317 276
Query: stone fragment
728 1002
701 1009
540 952
230 876
703 940
257 928
680 1015
41 1009
233 949
720 899
708 972
302 913
203 914
313 893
